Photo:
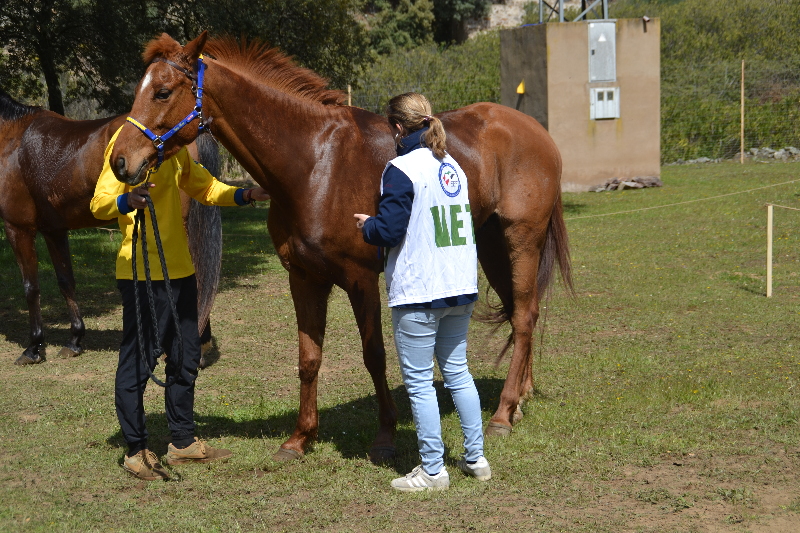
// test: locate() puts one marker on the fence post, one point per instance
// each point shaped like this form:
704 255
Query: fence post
741 150
349 96
769 250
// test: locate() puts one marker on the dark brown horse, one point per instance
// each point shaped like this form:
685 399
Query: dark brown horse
49 167
322 162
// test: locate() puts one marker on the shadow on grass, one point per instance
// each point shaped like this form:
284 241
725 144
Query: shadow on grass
573 208
247 247
16 330
757 291
93 255
350 426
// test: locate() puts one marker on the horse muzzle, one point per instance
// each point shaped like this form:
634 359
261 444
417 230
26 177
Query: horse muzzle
125 174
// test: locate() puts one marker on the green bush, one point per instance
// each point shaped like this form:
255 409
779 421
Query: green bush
700 109
451 77
702 45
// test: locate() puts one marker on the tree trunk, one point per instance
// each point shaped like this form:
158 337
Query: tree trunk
54 99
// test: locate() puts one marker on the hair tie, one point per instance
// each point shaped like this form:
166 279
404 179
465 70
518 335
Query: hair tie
427 118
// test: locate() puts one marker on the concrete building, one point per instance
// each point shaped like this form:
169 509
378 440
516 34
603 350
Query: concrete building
595 85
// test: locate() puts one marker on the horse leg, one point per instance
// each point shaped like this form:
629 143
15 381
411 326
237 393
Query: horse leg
58 246
366 302
23 242
209 353
510 263
523 322
311 307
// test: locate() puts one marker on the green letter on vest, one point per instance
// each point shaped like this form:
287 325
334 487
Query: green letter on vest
471 224
440 227
456 225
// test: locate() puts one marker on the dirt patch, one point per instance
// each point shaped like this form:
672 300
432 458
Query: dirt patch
707 494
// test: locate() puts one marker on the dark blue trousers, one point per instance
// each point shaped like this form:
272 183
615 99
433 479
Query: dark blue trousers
132 375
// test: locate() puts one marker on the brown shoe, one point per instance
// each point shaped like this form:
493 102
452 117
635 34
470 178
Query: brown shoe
197 452
145 465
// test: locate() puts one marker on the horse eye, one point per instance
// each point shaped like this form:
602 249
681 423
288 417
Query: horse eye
163 94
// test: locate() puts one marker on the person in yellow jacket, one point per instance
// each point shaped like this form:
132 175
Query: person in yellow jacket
114 199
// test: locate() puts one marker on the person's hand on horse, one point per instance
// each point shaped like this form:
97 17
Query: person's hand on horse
258 194
360 219
136 198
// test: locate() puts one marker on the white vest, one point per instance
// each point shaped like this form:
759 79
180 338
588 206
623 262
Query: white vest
437 258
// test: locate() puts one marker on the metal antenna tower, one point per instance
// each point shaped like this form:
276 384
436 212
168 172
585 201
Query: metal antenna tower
558 9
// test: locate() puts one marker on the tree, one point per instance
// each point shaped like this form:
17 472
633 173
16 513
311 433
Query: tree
41 38
400 27
96 45
452 16
450 77
322 35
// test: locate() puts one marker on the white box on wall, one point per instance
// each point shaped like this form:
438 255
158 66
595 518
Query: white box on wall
604 103
602 51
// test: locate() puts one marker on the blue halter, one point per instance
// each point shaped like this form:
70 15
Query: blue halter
197 112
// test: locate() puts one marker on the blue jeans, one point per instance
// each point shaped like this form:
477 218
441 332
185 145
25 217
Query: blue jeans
419 335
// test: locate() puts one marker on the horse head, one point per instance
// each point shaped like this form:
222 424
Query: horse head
167 98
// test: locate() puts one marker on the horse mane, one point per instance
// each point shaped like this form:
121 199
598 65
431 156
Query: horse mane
162 46
274 68
10 109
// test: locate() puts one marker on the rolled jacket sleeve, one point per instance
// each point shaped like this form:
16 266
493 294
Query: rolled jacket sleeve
389 226
197 182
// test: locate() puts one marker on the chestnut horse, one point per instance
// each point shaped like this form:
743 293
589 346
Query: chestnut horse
321 162
49 167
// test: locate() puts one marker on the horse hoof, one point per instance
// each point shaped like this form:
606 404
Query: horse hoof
517 416
67 352
30 359
382 454
285 454
209 354
495 429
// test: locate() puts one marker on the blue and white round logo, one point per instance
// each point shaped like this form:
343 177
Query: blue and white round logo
448 178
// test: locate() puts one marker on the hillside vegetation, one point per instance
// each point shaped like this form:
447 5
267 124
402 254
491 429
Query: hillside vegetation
385 47
703 44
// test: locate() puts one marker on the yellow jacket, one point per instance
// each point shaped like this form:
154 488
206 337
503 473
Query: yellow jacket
179 171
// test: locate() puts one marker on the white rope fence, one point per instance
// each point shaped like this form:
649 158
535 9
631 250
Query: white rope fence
685 202
769 219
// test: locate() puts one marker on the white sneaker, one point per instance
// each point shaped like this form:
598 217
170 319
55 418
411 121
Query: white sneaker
480 470
418 480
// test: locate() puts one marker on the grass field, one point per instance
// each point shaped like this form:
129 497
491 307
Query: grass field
666 397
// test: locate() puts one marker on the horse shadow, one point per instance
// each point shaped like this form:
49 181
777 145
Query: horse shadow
16 332
349 427
92 258
573 208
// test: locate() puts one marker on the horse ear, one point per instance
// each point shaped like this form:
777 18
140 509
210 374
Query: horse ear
195 48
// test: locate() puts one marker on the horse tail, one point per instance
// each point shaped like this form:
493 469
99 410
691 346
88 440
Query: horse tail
556 249
204 229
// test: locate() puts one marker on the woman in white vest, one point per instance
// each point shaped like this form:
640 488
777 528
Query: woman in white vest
431 277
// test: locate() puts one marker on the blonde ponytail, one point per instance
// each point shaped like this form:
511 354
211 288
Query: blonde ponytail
413 112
